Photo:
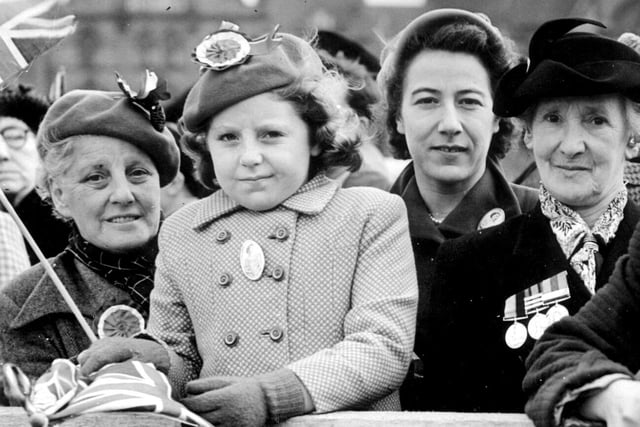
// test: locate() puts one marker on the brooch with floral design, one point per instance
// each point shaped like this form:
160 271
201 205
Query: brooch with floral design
228 47
152 91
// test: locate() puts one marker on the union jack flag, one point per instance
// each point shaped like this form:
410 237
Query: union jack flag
26 33
126 386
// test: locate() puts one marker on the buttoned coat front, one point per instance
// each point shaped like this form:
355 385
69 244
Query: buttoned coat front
336 302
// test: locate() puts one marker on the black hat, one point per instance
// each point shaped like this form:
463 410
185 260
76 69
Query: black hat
568 64
23 103
334 43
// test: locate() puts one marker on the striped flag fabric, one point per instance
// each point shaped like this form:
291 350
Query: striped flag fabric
125 386
27 30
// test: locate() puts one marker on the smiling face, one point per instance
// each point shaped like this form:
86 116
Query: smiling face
446 118
261 151
111 190
579 145
18 157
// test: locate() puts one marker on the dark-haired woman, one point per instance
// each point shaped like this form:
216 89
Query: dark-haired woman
438 79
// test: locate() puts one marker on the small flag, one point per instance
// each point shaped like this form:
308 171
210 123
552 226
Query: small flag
26 32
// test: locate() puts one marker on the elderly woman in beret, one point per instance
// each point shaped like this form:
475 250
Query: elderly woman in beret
281 293
103 163
438 79
502 287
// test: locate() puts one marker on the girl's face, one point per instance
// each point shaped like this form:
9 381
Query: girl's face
261 151
579 145
112 193
446 118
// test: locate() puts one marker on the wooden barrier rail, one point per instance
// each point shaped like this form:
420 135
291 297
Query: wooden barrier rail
16 417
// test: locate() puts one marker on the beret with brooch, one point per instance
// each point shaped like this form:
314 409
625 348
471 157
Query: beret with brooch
565 64
426 23
114 114
235 68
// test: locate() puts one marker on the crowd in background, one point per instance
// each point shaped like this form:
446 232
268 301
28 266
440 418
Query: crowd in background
252 238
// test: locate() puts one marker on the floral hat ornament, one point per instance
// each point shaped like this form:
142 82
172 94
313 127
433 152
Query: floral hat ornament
153 90
228 47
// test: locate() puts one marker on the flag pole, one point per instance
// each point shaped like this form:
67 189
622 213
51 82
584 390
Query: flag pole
45 263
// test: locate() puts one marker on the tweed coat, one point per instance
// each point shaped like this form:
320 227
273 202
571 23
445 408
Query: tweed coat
468 364
336 302
37 326
602 338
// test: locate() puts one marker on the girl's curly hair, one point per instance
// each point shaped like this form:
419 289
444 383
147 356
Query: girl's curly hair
333 126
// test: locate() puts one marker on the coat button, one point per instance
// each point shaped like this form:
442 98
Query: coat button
225 280
223 236
282 234
231 339
276 333
278 273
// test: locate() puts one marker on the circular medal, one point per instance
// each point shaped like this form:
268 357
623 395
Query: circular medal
251 260
537 325
516 335
494 217
120 321
557 312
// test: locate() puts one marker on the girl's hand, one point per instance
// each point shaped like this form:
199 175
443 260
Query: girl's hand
228 401
116 349
618 404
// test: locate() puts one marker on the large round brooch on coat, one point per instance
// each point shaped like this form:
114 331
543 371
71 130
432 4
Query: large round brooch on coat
120 321
222 49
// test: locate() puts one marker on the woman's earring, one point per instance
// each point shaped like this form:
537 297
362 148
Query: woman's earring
632 142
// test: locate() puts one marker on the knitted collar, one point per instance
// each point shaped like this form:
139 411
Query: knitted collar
131 273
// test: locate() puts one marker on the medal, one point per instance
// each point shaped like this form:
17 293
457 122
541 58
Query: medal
537 325
516 335
120 321
557 312
494 217
251 260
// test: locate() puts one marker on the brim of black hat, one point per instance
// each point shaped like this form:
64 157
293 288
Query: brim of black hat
516 91
334 43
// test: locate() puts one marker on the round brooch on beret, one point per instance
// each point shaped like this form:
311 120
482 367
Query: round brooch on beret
228 47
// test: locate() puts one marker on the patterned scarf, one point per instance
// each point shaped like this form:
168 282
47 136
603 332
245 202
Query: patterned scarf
131 273
579 243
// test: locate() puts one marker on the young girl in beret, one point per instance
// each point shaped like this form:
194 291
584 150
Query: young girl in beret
280 294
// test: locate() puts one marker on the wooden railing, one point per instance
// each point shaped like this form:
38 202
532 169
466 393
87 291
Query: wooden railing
16 417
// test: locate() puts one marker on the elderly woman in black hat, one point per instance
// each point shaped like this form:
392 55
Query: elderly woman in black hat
21 111
495 292
438 79
104 158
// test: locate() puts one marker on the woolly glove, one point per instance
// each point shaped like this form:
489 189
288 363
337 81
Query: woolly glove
116 349
247 401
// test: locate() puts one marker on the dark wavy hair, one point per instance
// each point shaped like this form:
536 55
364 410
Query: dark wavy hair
497 55
335 128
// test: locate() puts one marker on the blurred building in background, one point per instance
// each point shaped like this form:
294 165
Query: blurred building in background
130 35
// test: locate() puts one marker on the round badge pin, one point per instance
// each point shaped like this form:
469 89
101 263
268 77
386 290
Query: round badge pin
557 312
120 321
495 216
537 325
516 335
251 260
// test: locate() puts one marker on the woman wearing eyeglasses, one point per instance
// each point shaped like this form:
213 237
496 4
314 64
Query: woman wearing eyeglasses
21 111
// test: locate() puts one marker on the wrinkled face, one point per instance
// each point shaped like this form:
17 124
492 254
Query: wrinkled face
261 151
18 156
579 145
446 118
111 190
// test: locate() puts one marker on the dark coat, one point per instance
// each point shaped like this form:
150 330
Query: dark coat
37 326
603 338
50 233
491 191
461 337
